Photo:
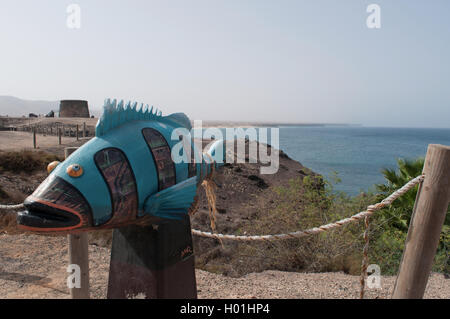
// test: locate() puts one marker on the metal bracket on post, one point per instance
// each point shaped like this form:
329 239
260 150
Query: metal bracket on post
153 262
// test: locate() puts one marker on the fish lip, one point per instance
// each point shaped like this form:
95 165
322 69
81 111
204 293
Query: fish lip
41 217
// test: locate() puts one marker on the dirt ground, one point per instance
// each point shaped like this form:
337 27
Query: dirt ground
24 140
28 272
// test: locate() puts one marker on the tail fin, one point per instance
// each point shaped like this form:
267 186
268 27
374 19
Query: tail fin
172 202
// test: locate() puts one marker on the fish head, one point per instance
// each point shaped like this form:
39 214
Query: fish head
93 188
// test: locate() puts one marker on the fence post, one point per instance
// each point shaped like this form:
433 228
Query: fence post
59 135
84 129
153 262
79 254
34 137
426 225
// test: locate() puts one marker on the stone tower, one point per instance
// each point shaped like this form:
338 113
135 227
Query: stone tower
73 108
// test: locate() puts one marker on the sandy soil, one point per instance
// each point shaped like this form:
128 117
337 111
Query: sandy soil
18 121
34 266
24 140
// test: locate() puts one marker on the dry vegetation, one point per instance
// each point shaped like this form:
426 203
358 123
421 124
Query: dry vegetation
25 161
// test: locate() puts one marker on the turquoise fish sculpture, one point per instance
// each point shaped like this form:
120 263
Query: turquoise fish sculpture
123 175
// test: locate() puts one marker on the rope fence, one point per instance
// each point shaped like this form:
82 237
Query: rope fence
316 230
11 207
301 233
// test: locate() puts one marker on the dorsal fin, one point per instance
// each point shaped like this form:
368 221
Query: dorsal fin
115 115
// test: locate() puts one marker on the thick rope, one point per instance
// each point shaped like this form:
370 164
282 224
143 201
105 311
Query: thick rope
12 207
316 230
210 186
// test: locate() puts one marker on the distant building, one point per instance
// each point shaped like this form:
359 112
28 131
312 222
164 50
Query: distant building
50 114
73 108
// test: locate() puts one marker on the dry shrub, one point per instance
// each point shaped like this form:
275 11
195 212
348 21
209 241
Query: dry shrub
8 218
25 161
8 223
3 194
303 204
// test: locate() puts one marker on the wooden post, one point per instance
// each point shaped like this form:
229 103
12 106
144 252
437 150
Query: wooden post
79 254
426 225
59 135
153 262
77 132
84 129
34 137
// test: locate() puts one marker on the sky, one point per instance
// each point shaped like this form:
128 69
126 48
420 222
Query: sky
242 60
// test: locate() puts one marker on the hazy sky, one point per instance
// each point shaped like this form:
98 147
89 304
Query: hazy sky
291 61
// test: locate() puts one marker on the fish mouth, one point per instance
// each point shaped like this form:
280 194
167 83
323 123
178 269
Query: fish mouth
40 216
55 206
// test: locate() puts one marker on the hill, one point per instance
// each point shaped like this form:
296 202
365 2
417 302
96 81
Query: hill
13 106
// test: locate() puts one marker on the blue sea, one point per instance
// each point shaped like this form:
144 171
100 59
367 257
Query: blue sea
357 153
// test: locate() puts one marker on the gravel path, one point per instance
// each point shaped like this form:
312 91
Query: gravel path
34 266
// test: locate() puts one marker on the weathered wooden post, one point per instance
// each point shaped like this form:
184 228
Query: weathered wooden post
426 225
34 137
77 132
59 135
153 262
84 129
79 254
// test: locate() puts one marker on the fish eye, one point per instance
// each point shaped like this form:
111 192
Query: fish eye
52 166
74 170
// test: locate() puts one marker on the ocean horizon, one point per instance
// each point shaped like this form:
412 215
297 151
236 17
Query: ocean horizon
357 153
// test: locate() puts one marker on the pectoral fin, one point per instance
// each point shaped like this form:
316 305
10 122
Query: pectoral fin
172 202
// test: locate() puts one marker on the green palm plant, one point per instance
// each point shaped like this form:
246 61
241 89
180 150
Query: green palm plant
399 213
